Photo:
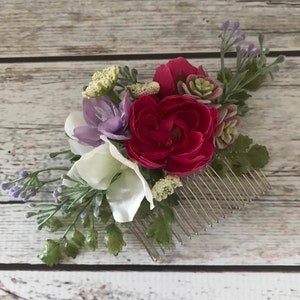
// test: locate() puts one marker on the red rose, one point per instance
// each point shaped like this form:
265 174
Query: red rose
175 133
176 69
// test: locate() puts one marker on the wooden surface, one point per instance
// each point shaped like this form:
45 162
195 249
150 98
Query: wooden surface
48 51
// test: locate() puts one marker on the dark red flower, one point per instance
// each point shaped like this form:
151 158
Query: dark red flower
175 133
167 75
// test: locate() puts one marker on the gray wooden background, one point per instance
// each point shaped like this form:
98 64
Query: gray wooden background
49 50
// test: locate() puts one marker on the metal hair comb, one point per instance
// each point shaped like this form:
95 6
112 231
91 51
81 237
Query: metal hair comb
204 199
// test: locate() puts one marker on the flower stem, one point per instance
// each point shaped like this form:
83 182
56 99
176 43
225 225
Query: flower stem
114 97
222 67
75 219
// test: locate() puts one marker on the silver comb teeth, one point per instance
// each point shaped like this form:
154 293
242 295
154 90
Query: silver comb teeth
204 199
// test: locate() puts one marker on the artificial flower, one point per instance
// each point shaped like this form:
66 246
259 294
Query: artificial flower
100 116
175 133
105 168
167 75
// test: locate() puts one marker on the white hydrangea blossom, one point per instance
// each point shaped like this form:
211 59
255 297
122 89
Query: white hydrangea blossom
165 187
102 82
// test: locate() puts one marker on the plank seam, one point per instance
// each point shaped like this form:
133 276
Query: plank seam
154 268
132 57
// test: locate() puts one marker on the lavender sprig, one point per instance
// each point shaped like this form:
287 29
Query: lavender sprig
28 184
251 66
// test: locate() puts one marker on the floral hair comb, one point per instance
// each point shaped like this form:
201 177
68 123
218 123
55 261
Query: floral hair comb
161 159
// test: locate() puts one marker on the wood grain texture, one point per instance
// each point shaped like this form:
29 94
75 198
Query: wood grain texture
34 102
92 27
159 286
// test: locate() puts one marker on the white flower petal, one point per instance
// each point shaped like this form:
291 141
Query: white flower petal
74 119
98 167
79 149
132 165
125 195
72 173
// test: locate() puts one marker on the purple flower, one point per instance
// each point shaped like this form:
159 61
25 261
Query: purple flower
15 191
5 186
236 26
226 25
103 117
254 53
83 214
239 38
23 173
250 47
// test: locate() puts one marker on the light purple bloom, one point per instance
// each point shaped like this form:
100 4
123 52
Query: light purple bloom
103 117
254 53
226 25
5 186
243 52
235 26
15 191
96 212
83 215
29 194
250 47
239 38
23 173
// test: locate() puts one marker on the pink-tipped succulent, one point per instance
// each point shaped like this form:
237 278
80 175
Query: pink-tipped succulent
228 122
205 89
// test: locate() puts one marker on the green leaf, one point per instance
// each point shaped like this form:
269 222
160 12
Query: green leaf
31 214
78 238
144 209
168 214
258 156
242 143
228 75
86 222
113 239
105 211
219 166
91 239
127 76
241 97
172 200
71 249
252 67
152 175
243 108
159 231
240 165
53 224
51 255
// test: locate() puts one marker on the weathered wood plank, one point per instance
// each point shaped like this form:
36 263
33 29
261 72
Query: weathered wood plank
35 100
264 232
150 286
64 28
